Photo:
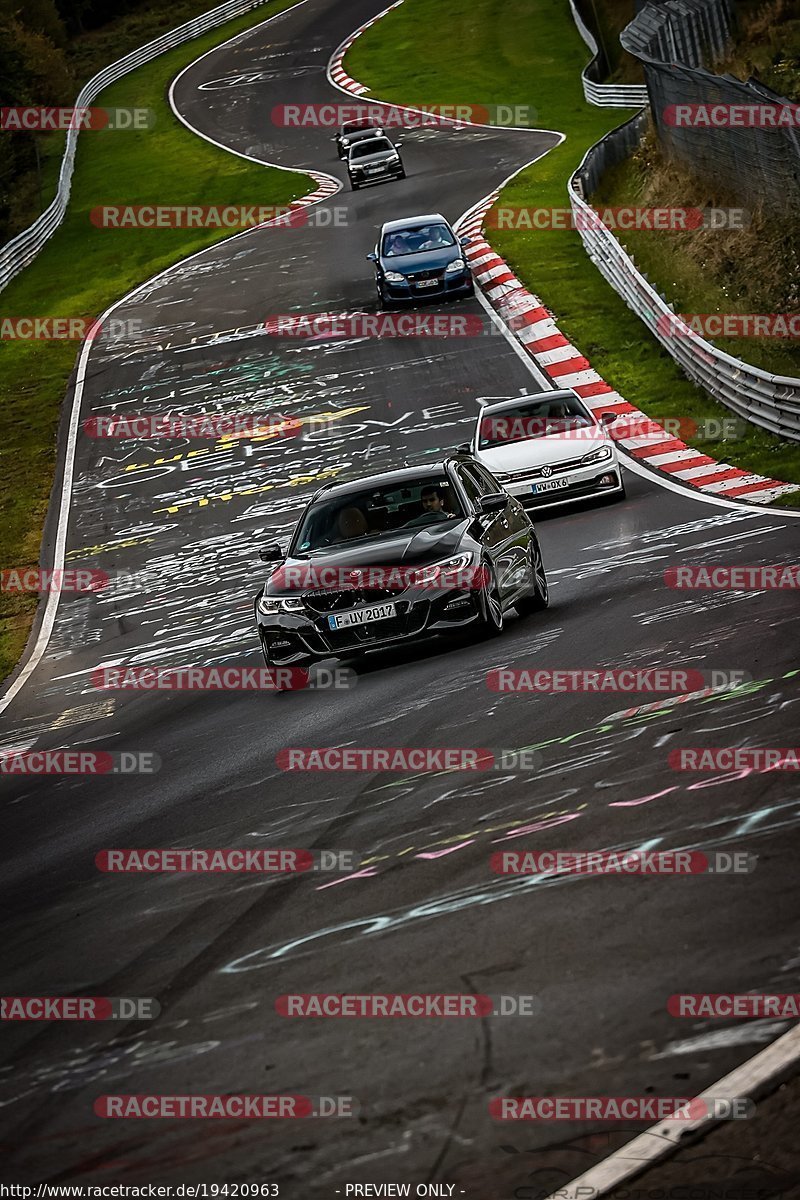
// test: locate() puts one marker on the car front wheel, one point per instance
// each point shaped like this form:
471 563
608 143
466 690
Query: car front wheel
538 597
492 620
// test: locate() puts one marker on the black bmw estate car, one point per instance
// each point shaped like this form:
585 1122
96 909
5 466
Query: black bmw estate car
397 557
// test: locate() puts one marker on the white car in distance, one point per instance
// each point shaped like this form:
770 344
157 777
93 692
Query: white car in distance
548 449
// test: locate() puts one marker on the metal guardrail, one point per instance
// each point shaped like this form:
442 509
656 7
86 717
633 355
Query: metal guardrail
770 401
22 249
605 95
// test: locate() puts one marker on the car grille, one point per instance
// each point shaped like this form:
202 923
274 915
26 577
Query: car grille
538 472
358 635
418 276
330 601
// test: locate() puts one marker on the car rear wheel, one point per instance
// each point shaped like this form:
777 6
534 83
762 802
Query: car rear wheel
538 597
492 620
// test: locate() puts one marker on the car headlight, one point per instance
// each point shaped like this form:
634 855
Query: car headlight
279 604
597 456
345 141
441 573
393 158
394 277
456 265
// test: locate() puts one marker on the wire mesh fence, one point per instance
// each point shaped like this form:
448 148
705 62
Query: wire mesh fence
740 134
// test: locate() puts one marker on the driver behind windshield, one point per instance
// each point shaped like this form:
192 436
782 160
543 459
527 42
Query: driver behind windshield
433 508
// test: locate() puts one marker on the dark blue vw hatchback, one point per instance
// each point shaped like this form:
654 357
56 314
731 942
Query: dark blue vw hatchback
420 257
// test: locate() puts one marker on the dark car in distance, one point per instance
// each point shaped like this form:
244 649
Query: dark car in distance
355 131
418 258
374 160
399 557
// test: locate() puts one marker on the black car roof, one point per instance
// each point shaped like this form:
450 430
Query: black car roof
359 126
387 478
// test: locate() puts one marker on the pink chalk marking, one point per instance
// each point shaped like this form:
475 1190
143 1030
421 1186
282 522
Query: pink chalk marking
365 874
449 850
523 829
644 799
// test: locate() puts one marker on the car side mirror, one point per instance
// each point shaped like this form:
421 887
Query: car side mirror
372 256
464 241
494 502
397 145
608 418
464 448
271 553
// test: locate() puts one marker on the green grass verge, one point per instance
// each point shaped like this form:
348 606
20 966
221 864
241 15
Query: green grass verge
529 52
83 269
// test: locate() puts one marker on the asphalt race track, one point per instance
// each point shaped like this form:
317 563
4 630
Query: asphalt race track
179 534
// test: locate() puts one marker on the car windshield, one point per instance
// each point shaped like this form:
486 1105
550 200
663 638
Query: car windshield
417 238
371 146
357 126
535 419
376 513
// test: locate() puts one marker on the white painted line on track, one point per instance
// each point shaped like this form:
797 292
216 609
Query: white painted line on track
65 497
665 1137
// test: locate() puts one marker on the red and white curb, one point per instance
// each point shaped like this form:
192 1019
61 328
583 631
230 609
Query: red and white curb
535 327
565 366
337 73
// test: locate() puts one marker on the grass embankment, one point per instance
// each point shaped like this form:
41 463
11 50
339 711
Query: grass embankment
751 270
83 269
518 52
